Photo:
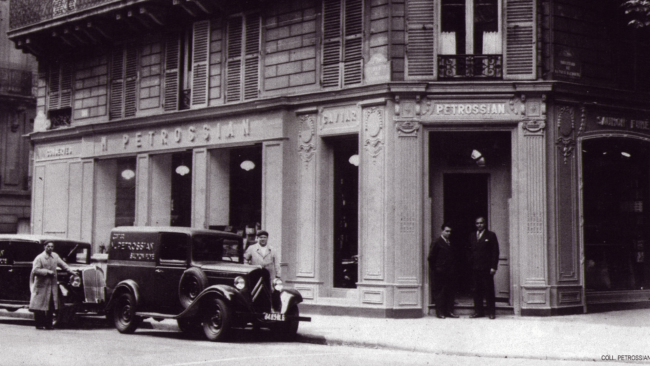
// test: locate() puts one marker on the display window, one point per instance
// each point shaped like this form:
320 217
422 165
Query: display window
616 181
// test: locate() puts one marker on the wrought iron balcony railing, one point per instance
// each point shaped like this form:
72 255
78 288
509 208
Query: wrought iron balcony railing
15 82
27 12
470 67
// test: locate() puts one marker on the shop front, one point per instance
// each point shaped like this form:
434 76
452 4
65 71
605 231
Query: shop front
614 152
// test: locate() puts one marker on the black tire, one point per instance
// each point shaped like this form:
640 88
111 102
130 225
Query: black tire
124 314
287 331
190 326
217 320
192 283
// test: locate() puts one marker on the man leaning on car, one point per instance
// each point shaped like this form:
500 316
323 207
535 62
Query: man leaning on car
263 255
44 298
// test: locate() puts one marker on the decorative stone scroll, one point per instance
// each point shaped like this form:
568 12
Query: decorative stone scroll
307 146
373 122
407 129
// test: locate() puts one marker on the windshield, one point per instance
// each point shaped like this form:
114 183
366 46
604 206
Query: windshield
212 248
72 252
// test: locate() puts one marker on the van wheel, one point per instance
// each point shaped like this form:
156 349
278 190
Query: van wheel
217 320
192 283
124 314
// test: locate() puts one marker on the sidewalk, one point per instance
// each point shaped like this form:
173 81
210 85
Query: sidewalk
586 337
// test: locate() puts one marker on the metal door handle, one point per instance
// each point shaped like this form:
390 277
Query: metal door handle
159 271
11 270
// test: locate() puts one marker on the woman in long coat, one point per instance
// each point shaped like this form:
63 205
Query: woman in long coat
45 295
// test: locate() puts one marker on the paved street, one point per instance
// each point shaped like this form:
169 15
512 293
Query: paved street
95 344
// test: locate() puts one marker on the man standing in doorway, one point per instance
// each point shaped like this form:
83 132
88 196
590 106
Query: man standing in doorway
263 255
441 267
484 259
45 293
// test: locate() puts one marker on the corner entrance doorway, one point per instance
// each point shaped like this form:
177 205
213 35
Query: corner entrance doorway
469 176
465 198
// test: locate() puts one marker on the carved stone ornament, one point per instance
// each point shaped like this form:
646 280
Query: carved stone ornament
518 105
407 129
534 127
566 126
373 121
397 109
307 147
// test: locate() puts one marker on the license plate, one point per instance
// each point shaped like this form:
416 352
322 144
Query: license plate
274 317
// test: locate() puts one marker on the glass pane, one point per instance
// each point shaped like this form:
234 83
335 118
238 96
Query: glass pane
452 24
72 252
486 27
125 192
616 174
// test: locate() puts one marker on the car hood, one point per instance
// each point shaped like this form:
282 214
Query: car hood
236 268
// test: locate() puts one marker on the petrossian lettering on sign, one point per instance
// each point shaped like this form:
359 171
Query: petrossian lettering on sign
464 109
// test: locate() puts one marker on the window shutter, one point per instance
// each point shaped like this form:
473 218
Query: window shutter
420 51
520 58
54 87
233 67
117 83
331 43
353 50
131 81
200 58
66 85
252 57
172 66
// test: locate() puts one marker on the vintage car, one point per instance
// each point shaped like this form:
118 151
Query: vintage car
197 277
82 292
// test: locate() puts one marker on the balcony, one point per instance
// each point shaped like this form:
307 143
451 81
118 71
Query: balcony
46 27
454 67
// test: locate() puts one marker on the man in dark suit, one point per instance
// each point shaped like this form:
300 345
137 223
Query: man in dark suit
441 269
484 259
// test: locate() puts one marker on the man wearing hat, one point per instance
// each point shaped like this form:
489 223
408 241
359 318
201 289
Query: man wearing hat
263 255
45 295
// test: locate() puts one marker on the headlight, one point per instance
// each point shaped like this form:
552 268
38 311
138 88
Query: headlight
240 283
277 284
75 280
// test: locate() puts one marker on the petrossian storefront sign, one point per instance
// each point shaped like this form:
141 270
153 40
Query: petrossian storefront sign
191 135
448 110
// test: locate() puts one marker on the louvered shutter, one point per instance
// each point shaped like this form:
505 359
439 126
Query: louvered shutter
172 66
353 48
233 67
131 81
66 85
331 43
520 61
252 57
54 87
200 58
420 51
115 104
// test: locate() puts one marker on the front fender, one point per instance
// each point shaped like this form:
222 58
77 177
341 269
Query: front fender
286 299
126 285
228 293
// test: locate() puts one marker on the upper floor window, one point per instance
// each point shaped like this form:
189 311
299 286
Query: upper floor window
342 42
243 63
470 27
471 39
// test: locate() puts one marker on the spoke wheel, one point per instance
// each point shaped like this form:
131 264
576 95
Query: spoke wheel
217 320
124 314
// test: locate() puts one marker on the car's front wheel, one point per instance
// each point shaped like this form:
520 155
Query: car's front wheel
124 314
217 320
287 331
